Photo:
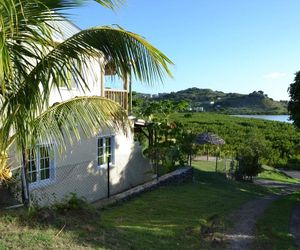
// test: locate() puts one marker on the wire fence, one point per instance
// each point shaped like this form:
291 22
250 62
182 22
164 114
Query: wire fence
85 180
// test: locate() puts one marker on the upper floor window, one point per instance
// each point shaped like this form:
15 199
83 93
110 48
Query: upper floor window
72 80
40 166
106 151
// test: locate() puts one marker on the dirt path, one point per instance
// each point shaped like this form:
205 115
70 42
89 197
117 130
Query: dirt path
242 234
292 173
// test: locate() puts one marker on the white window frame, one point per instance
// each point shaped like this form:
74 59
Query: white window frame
72 81
52 167
112 145
73 85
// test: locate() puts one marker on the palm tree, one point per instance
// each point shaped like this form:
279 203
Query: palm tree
32 63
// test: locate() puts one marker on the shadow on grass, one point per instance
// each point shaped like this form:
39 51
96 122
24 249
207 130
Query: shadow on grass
174 216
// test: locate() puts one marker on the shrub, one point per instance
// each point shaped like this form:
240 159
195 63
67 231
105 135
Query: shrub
248 157
293 163
72 203
248 166
187 115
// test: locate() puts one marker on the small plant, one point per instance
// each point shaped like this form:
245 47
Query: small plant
13 186
72 203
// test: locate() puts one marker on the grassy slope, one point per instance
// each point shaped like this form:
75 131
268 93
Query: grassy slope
273 174
273 227
170 217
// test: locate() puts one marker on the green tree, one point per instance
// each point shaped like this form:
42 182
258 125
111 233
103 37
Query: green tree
171 142
32 63
249 156
294 103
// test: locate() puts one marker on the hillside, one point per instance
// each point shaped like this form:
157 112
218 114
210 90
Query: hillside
208 100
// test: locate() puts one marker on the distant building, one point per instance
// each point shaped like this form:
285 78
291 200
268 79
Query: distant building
162 94
198 109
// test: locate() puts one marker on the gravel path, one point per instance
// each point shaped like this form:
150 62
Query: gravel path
242 234
292 173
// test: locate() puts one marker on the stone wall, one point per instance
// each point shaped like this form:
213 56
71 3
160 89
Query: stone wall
177 176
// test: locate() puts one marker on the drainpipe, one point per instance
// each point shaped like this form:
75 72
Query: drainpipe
108 178
130 95
156 153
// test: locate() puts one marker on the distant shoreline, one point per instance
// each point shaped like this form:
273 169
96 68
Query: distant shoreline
278 118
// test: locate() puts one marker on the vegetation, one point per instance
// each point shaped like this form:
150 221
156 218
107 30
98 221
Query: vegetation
248 158
208 100
273 228
189 215
168 142
251 142
279 141
270 173
294 103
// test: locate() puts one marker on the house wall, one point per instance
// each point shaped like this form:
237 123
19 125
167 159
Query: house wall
92 68
93 76
76 171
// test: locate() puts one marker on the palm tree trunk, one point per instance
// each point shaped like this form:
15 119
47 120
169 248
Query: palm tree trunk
25 189
207 152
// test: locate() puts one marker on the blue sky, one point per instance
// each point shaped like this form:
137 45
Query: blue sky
228 45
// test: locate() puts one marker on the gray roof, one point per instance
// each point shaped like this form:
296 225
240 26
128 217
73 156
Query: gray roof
209 138
65 29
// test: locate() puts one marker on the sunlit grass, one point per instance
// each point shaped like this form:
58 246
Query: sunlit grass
273 174
170 217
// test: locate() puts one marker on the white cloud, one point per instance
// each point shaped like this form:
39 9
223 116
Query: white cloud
274 75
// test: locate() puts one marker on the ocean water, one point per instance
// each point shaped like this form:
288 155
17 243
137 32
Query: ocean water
279 118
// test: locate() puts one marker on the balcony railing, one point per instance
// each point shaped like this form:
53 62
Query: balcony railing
119 96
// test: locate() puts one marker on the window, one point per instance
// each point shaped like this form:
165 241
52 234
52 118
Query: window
71 79
40 168
106 151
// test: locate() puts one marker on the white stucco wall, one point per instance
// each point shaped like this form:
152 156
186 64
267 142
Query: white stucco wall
94 78
76 171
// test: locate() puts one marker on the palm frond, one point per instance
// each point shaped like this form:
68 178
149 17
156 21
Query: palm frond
62 4
32 63
124 50
121 47
26 33
71 119
112 4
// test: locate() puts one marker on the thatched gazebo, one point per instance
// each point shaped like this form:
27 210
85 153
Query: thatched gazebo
212 139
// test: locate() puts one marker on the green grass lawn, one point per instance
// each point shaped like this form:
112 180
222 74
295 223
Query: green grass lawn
170 217
273 174
273 227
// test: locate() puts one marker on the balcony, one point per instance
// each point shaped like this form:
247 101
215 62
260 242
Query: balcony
119 96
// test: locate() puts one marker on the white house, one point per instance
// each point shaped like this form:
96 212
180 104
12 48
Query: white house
82 168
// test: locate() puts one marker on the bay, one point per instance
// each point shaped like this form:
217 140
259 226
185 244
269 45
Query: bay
279 118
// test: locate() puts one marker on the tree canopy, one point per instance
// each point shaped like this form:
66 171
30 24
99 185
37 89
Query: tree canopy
294 103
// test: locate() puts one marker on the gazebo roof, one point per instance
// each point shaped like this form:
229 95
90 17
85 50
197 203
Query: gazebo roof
209 138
